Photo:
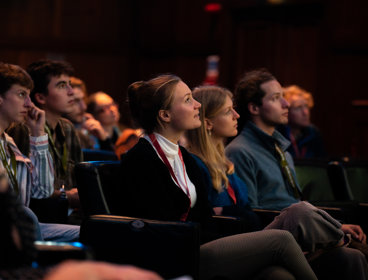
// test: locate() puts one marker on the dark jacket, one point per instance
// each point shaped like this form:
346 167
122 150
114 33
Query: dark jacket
148 191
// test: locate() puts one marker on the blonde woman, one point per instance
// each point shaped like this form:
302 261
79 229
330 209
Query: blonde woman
227 194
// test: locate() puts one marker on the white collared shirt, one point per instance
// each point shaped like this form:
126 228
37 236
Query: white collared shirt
171 151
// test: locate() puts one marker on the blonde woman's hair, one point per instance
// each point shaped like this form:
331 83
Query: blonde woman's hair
200 143
294 90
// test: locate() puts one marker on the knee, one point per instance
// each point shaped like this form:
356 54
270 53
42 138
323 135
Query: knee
281 235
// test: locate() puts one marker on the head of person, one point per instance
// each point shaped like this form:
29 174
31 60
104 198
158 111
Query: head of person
15 87
103 108
80 106
164 103
259 98
52 90
301 102
219 121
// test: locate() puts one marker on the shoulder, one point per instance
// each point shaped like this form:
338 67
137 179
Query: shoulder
199 162
235 181
142 151
67 125
239 147
19 133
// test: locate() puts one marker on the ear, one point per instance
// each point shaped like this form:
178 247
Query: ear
1 100
253 108
40 98
208 124
164 115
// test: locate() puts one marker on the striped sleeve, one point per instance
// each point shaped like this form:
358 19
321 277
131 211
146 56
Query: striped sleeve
42 170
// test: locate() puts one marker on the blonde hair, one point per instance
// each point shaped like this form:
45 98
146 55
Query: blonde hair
294 90
200 143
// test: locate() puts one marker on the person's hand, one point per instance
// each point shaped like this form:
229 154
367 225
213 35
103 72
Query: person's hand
73 198
91 270
94 127
355 231
36 121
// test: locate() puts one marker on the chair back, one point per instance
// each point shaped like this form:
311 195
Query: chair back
322 180
314 180
90 177
357 177
169 248
98 155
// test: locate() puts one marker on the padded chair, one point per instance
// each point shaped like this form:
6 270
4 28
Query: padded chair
169 248
356 172
98 155
321 180
326 185
90 178
96 181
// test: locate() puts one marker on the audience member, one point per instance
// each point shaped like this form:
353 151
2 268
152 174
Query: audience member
162 181
306 140
227 194
31 177
104 109
53 93
89 130
17 250
78 115
230 197
261 160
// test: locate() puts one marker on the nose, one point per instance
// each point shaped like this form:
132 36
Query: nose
235 114
306 111
70 90
197 105
27 101
285 103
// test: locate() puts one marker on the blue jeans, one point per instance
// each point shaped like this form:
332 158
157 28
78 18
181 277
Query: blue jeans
53 232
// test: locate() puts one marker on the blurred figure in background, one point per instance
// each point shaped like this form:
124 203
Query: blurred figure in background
306 140
104 109
127 139
89 129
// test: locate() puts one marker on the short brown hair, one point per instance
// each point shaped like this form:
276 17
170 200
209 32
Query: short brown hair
11 74
248 90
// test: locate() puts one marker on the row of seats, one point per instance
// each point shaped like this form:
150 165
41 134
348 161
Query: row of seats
172 248
169 248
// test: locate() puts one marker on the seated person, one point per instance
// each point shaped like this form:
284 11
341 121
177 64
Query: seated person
262 162
89 129
17 250
52 93
306 140
227 194
33 176
104 109
160 180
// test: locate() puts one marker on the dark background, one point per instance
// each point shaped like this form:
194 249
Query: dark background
320 45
